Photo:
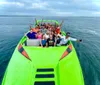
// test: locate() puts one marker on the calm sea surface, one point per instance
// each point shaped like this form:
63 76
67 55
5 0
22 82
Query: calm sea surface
86 28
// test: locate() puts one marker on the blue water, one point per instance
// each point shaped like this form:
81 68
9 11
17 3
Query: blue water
86 28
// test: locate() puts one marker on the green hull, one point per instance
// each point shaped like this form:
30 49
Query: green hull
44 67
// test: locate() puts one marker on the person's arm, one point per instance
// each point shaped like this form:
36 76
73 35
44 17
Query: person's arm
74 39
36 21
30 26
42 21
59 35
79 40
55 25
61 23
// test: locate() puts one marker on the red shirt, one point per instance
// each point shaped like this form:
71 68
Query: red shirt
58 30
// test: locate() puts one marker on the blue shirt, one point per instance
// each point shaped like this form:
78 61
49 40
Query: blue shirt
31 35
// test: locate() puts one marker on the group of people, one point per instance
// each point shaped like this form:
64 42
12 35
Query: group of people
49 35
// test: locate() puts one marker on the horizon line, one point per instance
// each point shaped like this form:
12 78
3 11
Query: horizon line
43 16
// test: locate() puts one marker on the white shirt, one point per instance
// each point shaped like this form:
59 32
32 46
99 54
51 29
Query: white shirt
64 40
46 36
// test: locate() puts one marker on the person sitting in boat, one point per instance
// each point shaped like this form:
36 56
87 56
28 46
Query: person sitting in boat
38 26
36 29
50 29
31 34
43 41
53 34
59 37
50 41
39 35
58 28
53 28
46 35
44 24
43 30
64 40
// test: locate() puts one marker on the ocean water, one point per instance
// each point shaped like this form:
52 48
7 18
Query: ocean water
12 28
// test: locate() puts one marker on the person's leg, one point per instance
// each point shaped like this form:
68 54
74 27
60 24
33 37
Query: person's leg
58 41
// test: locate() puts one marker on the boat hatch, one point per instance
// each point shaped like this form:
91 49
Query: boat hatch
45 70
45 76
45 83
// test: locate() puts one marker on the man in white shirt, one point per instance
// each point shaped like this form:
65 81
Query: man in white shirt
65 39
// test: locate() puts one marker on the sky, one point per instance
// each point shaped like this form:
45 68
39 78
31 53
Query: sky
50 7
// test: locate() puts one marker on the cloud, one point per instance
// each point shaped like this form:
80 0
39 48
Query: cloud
59 13
48 7
11 3
39 5
96 13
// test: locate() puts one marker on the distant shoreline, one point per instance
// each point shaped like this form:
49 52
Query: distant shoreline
17 16
42 16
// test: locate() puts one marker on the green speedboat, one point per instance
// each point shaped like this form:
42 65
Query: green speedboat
34 65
